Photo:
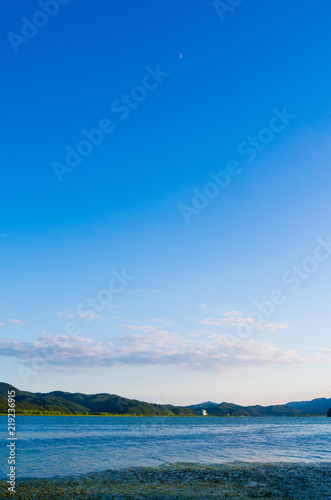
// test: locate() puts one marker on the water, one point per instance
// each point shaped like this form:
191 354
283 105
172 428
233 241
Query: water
52 446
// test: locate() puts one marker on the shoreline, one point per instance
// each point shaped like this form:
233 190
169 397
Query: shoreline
234 480
166 416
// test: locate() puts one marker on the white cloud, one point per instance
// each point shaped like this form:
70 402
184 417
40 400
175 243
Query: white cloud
82 315
163 348
162 321
15 321
323 350
238 318
152 329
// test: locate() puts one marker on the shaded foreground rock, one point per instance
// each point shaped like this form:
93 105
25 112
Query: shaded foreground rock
185 481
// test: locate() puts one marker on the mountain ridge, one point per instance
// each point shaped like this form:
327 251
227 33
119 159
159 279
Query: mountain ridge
315 406
67 403
318 406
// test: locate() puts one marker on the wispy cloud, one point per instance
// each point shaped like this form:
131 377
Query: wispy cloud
161 321
15 321
323 350
163 348
149 329
82 315
238 318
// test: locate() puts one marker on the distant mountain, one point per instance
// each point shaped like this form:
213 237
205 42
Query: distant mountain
207 404
232 410
317 406
297 404
59 402
66 403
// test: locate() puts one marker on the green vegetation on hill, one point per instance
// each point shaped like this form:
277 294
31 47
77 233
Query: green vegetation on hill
200 406
232 410
65 403
306 408
317 406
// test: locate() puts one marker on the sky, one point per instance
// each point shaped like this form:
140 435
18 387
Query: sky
165 199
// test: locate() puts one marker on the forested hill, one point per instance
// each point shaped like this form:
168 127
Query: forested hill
315 407
65 403
232 410
318 406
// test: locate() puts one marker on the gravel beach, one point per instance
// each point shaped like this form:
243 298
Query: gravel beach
186 481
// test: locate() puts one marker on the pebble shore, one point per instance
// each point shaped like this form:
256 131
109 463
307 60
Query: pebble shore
186 481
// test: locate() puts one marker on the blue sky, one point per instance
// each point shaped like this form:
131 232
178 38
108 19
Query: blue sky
177 93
